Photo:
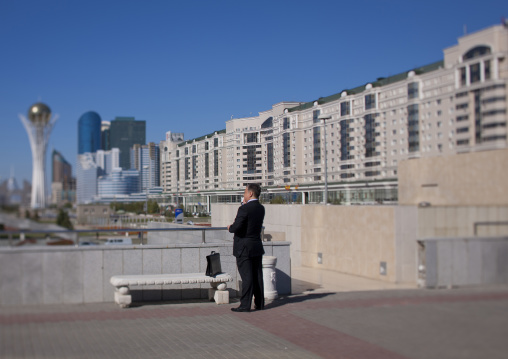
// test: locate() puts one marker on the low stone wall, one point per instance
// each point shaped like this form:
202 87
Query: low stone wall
454 262
57 275
186 235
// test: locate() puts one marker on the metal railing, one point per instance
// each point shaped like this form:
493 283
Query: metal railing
74 233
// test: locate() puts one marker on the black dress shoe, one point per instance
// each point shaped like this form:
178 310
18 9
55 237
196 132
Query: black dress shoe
258 308
240 309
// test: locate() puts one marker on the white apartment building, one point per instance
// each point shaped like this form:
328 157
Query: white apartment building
452 106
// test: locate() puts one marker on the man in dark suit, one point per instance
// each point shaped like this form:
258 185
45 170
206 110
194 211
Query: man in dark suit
248 248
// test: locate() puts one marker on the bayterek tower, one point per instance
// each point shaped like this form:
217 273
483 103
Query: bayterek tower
38 126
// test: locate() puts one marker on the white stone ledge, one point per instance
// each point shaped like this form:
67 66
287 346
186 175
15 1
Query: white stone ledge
161 279
217 292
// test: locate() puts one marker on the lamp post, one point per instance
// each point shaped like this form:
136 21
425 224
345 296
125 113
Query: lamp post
324 118
146 198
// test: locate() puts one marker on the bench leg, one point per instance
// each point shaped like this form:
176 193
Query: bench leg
219 293
123 296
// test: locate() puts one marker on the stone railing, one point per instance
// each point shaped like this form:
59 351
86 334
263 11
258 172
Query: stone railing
75 274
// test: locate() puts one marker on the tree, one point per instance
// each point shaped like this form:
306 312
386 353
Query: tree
63 220
278 200
153 207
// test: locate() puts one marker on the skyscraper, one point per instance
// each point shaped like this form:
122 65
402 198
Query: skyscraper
62 170
63 185
89 133
146 159
125 132
106 144
86 178
90 167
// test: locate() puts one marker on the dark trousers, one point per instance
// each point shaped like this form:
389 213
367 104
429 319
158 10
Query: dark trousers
251 271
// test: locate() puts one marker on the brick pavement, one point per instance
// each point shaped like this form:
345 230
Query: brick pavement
458 323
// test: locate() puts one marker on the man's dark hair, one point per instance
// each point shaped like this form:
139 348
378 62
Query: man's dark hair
255 189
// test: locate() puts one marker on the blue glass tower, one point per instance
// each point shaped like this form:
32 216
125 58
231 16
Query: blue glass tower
89 133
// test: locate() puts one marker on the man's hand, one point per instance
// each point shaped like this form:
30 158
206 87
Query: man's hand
228 227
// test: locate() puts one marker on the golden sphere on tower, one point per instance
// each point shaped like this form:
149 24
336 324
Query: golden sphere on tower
39 113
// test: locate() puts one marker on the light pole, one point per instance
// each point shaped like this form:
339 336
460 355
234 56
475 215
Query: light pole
146 198
324 118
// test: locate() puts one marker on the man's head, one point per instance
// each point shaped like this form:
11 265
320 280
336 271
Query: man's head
252 191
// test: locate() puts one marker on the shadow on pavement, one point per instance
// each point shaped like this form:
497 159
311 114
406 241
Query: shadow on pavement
299 298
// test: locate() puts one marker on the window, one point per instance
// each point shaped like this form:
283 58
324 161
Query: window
370 101
285 123
462 71
194 167
207 165
413 128
477 52
474 73
344 108
187 168
317 145
206 146
315 116
251 137
286 149
412 90
215 162
487 70
494 125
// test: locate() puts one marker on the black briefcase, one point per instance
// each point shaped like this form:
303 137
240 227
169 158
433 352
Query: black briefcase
213 264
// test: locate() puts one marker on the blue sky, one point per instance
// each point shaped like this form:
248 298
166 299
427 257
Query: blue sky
188 66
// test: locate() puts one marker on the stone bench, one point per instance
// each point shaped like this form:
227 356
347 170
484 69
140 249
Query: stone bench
123 283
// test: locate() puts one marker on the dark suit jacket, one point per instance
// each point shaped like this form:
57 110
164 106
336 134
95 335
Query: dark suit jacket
247 230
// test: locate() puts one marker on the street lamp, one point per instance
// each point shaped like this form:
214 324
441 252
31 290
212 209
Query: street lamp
146 198
324 118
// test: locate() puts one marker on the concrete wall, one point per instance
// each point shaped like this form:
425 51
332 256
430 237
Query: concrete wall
459 221
359 240
185 235
464 261
351 239
55 275
468 179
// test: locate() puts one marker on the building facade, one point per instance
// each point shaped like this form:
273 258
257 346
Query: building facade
89 133
105 140
63 185
146 159
118 183
91 166
449 107
86 178
125 132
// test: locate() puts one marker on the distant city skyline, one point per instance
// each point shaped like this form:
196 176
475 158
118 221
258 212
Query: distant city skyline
190 67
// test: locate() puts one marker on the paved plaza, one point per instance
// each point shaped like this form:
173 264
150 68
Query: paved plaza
383 323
